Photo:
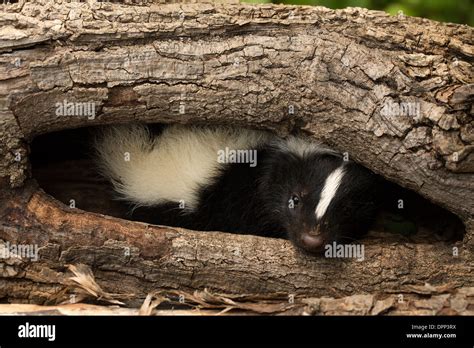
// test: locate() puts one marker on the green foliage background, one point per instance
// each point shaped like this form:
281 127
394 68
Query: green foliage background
456 11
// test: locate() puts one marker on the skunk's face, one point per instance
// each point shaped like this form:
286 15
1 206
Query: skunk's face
322 199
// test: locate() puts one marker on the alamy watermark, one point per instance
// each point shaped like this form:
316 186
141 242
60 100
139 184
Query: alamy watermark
410 109
353 251
86 109
24 251
237 156
28 330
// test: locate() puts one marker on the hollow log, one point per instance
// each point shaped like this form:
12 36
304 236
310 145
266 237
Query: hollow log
137 258
395 93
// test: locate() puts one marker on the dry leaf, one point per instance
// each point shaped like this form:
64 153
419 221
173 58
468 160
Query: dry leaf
149 304
85 285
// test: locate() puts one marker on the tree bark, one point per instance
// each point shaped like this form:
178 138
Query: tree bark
337 75
136 258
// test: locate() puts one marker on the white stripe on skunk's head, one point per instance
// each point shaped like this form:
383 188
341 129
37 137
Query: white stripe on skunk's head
317 196
170 167
331 185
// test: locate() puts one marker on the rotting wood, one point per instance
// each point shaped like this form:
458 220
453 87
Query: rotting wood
136 258
283 68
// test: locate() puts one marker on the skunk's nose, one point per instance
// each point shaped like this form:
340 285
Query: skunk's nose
312 242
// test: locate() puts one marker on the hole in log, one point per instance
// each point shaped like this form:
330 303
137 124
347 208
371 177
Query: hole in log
62 165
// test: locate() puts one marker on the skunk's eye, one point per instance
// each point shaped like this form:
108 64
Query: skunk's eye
293 201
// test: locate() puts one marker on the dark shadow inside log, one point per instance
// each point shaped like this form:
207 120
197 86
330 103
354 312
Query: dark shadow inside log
63 166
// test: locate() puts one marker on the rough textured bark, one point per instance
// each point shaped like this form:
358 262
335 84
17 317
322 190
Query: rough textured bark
136 258
283 68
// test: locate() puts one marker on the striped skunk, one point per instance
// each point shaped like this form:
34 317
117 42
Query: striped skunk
238 180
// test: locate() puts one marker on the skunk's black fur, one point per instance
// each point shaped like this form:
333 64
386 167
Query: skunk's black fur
278 197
